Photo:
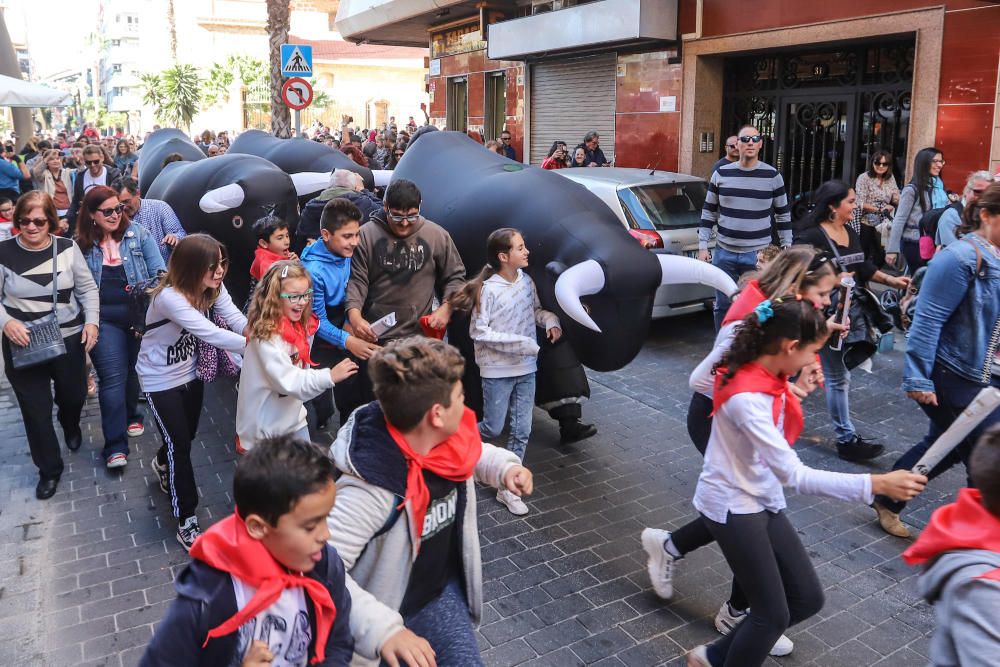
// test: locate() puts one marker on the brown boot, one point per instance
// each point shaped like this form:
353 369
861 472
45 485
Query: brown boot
890 522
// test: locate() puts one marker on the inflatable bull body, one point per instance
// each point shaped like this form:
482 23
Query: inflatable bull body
159 145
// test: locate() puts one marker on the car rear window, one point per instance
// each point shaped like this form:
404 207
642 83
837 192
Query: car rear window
664 205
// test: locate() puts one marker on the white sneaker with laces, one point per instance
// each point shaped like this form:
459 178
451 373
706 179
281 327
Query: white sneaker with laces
512 502
661 563
728 618
188 532
162 475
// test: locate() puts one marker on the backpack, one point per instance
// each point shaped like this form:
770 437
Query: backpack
928 228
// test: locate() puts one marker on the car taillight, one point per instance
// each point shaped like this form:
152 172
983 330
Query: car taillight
648 238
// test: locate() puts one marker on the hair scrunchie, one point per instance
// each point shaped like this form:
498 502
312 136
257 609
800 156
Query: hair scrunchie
763 311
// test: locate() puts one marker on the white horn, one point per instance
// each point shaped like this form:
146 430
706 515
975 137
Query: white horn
579 280
308 182
382 177
678 270
222 199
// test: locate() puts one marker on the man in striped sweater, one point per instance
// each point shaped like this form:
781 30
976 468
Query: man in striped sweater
745 200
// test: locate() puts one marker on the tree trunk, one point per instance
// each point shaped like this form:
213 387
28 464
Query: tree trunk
172 26
277 31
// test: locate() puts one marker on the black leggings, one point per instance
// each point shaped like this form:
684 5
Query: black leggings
176 412
764 553
695 534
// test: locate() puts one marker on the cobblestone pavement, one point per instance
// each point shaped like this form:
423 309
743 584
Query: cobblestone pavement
85 577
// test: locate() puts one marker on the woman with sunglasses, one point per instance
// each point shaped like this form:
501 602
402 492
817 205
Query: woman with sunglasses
26 268
181 310
397 154
924 192
120 255
877 191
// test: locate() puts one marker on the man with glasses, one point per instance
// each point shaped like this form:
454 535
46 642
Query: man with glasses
732 153
506 148
951 219
94 173
745 200
592 149
152 214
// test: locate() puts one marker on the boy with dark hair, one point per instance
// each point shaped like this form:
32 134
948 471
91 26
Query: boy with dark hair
410 462
328 262
273 243
264 586
961 550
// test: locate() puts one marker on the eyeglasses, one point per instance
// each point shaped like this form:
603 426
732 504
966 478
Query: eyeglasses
395 217
297 298
108 212
938 160
92 163
754 138
881 164
221 264
37 222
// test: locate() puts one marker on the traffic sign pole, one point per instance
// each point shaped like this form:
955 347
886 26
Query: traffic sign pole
298 124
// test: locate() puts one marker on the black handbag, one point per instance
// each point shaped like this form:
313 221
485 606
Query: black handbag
46 341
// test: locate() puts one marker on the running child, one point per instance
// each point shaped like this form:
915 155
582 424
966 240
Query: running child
504 313
264 587
405 521
277 375
749 459
179 315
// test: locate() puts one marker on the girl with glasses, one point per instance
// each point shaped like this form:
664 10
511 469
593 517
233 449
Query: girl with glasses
120 255
278 375
924 192
181 318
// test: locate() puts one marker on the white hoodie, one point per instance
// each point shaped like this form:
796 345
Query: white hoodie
273 389
503 329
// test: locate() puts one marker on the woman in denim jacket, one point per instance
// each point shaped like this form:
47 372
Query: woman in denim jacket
952 346
120 254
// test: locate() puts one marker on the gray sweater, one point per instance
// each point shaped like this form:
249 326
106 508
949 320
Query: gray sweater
906 222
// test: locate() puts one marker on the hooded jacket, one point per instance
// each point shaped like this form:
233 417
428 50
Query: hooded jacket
309 221
376 546
961 550
329 274
403 275
206 598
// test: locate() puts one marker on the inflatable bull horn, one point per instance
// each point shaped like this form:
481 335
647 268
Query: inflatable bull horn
584 264
159 145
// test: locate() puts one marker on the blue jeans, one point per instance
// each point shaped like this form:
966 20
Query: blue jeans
446 624
114 358
838 383
735 264
518 394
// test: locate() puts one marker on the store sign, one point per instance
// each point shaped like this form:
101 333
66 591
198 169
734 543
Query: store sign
461 39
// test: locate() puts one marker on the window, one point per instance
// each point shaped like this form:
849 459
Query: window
458 104
496 105
665 205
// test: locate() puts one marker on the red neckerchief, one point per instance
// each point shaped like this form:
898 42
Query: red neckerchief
748 299
262 261
963 524
227 546
454 459
297 335
753 377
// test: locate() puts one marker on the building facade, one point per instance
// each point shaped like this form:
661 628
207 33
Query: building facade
665 81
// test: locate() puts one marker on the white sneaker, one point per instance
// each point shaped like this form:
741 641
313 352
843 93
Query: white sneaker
513 503
661 563
698 657
728 618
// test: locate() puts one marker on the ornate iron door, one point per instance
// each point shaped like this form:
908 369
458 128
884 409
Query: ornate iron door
813 141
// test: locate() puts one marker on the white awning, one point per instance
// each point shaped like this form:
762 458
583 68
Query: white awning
19 93
399 22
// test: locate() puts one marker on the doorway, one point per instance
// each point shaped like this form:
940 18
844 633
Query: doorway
458 104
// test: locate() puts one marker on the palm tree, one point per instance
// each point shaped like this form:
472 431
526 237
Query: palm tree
174 94
277 31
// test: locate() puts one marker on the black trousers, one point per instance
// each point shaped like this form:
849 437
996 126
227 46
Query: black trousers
695 534
765 553
33 390
346 395
176 412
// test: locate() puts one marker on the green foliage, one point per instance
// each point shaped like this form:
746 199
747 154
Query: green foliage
175 94
320 99
152 90
215 87
252 72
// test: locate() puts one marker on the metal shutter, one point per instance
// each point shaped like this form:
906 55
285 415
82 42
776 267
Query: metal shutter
568 99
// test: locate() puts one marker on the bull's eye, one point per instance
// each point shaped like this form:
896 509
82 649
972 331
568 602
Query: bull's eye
237 221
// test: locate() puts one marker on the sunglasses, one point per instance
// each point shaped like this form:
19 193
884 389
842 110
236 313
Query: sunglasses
881 164
400 154
730 145
504 138
753 138
221 264
400 218
93 163
297 298
36 222
108 212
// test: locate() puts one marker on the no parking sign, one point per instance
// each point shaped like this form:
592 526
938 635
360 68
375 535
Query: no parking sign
297 93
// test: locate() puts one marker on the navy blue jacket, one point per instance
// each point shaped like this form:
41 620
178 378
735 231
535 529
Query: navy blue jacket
309 220
206 599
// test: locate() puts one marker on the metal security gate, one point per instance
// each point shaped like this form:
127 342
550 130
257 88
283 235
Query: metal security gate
823 113
570 98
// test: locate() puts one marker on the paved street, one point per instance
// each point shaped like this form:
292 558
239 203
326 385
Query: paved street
85 577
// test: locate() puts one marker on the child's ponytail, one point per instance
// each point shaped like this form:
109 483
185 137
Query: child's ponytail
466 298
783 318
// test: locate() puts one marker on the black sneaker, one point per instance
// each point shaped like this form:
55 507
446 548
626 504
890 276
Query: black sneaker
162 474
573 430
188 531
859 449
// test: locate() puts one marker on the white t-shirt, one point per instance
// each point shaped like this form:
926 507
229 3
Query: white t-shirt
6 230
90 181
284 626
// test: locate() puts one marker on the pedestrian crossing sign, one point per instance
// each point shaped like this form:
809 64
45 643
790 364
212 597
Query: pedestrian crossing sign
296 60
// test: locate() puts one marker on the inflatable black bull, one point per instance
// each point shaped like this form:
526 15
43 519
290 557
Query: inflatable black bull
298 155
159 145
584 264
224 195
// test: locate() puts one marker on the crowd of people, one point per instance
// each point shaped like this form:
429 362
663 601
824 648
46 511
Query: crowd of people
367 551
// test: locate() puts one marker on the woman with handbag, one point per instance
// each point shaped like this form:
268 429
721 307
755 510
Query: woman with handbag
924 192
49 314
120 255
951 353
826 228
180 336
